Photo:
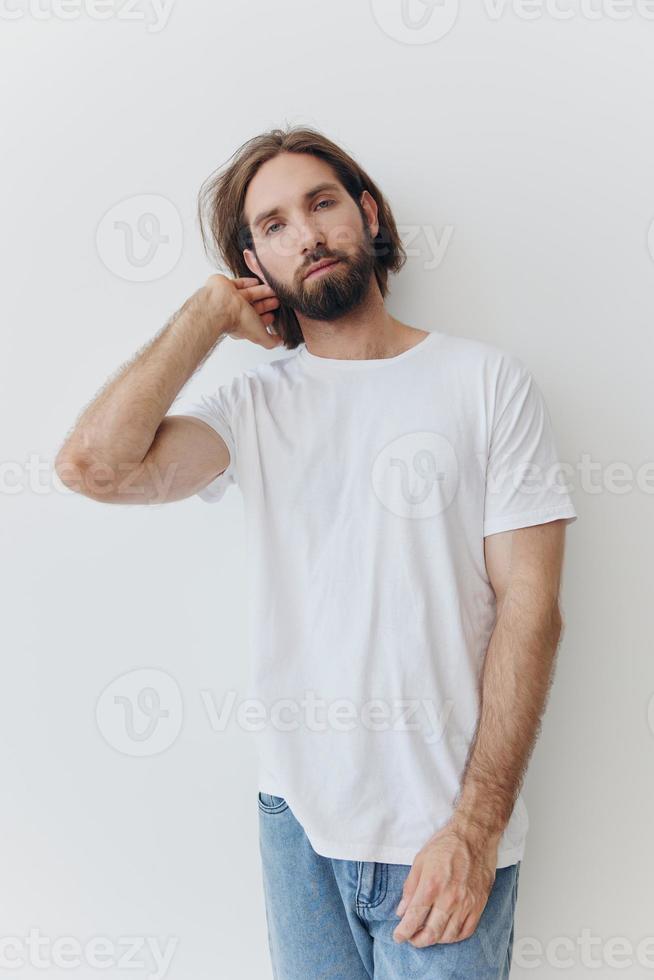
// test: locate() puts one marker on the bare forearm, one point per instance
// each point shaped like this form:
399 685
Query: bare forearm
516 679
117 428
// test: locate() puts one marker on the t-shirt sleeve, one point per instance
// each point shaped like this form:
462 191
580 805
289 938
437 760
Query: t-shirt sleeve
525 483
215 409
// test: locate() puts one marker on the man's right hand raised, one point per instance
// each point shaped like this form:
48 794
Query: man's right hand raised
245 305
125 432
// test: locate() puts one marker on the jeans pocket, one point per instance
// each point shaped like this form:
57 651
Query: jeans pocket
271 804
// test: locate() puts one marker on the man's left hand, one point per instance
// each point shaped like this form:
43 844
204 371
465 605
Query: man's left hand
448 886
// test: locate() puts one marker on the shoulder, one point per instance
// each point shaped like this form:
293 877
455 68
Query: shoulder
262 373
267 374
473 352
496 369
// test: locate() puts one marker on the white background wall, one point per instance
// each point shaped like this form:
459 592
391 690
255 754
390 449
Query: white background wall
525 147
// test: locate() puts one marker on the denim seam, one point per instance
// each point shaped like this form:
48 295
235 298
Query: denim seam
275 808
383 888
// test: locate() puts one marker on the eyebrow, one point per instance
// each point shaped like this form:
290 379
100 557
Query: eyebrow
318 189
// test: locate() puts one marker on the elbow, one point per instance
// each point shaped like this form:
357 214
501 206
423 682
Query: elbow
82 474
70 470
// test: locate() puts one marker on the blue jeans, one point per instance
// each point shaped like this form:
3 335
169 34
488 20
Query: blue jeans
330 919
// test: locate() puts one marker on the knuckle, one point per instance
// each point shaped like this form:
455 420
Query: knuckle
431 889
216 280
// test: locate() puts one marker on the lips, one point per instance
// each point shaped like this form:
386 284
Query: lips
323 264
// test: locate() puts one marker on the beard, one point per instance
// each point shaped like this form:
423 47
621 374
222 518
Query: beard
336 291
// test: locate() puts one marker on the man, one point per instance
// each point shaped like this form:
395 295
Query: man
406 527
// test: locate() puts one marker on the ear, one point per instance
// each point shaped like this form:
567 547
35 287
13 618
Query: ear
369 205
252 264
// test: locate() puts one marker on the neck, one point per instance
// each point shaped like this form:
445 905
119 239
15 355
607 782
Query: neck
365 333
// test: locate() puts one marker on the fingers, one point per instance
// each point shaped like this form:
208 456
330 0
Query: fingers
271 341
469 925
265 305
439 927
246 281
412 920
253 288
269 337
410 884
264 301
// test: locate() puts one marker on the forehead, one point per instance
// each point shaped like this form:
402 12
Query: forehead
283 181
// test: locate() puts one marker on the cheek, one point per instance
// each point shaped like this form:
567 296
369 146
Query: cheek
344 238
280 251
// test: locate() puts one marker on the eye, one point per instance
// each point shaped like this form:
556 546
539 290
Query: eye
325 200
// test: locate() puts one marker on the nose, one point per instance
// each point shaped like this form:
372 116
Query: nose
310 236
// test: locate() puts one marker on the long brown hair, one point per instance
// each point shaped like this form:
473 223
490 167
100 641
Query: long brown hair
225 232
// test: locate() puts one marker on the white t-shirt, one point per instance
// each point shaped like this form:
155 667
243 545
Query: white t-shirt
368 489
